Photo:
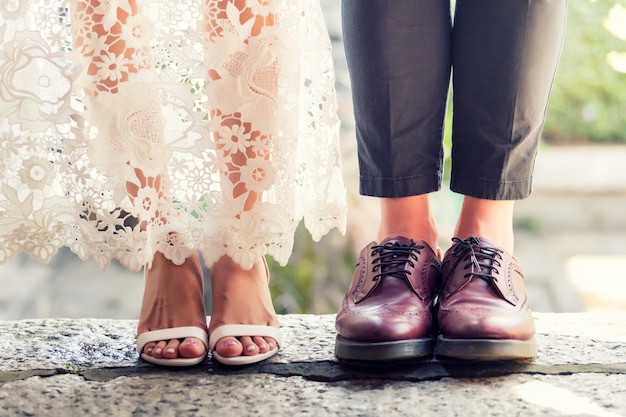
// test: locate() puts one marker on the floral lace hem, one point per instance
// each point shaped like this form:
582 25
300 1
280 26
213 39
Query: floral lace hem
129 127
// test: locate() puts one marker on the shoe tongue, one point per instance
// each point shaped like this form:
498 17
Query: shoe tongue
395 261
396 239
479 250
481 241
463 243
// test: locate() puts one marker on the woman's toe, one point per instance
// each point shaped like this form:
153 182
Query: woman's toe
229 347
159 348
271 343
148 348
249 347
191 347
262 344
171 349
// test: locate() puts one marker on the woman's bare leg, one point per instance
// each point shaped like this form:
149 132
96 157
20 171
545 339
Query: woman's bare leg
173 297
240 296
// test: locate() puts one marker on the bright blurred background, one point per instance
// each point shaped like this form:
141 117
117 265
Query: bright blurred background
570 235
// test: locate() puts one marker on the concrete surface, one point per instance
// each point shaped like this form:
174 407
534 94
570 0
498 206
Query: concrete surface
89 368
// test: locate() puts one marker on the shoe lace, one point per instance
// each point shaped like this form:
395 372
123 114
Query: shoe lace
393 257
483 258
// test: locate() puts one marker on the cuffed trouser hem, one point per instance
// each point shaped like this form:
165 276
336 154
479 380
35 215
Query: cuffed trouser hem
399 187
400 54
489 189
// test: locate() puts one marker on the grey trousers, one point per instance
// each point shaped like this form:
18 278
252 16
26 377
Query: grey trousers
502 55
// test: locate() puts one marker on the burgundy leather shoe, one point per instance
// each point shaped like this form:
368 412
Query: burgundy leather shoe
483 308
387 312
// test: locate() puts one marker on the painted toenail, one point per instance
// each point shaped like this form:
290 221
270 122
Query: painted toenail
171 350
263 346
149 350
251 348
158 351
230 343
191 342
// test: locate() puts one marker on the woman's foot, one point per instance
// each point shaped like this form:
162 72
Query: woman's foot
174 298
241 297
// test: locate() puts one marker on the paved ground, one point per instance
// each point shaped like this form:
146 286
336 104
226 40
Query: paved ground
85 367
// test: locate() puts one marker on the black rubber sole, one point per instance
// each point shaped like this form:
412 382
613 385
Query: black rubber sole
383 351
486 349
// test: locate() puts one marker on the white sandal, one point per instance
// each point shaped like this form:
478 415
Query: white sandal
169 334
238 330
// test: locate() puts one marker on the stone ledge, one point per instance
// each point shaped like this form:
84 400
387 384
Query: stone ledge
580 342
590 169
89 367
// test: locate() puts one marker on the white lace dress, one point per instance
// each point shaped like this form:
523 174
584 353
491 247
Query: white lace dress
129 127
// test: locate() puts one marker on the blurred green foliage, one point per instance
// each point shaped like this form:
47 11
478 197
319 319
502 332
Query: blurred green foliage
588 101
316 276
